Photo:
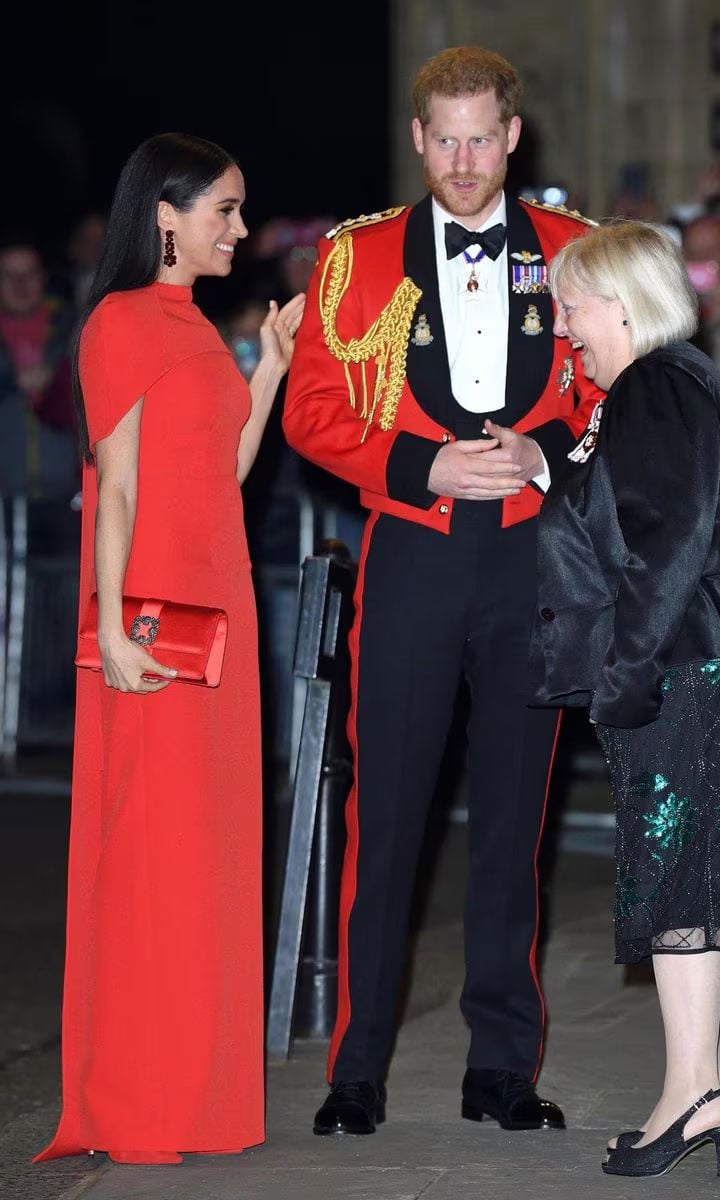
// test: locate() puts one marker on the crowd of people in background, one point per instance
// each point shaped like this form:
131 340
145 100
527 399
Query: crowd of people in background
40 303
42 297
41 300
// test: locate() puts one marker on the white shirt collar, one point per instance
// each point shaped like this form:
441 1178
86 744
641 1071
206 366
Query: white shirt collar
441 218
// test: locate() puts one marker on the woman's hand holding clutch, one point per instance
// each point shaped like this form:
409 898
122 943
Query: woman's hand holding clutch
125 665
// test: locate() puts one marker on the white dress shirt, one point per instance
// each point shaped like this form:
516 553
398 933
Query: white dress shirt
476 323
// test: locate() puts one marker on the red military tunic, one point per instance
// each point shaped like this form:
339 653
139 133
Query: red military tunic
320 421
369 398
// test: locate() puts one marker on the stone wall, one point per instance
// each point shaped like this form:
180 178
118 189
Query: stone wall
613 89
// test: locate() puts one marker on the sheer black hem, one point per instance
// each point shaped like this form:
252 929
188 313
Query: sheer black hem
666 787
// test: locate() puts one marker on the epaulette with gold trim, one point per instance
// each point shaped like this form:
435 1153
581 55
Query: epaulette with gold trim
560 208
384 344
359 222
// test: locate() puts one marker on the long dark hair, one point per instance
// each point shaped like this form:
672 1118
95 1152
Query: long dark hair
176 167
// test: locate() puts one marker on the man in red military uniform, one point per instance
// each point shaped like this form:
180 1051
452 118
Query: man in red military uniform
426 373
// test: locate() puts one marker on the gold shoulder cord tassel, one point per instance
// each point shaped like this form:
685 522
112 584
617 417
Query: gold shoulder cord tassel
385 341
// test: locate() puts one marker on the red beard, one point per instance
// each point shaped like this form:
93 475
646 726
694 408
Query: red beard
475 202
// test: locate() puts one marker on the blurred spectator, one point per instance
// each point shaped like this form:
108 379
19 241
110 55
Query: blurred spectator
633 206
38 451
701 249
285 253
634 194
74 277
287 248
240 330
634 203
39 464
277 490
704 201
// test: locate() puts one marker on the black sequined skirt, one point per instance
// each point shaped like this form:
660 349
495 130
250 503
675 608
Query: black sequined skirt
666 786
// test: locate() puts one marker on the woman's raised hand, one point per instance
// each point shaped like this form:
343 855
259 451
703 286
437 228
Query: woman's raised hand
277 332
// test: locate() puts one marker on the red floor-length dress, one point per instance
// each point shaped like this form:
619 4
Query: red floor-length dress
163 1012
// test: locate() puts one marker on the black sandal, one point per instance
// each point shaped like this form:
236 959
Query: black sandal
666 1151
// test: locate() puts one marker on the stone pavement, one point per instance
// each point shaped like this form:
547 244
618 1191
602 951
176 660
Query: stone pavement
603 1064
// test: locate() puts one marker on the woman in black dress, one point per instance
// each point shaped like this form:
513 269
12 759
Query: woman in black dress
628 624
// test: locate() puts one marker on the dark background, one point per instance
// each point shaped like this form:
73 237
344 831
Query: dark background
302 101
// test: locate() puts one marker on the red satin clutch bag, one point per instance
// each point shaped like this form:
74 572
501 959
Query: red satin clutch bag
189 637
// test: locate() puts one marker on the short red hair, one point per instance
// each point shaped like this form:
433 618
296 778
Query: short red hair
467 71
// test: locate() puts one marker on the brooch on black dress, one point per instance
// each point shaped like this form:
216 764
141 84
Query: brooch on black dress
588 441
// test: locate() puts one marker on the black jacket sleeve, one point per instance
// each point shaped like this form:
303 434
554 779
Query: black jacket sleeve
408 468
556 440
661 443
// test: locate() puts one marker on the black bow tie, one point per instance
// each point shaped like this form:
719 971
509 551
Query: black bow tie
457 239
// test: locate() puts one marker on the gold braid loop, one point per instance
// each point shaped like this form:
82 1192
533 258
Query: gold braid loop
386 340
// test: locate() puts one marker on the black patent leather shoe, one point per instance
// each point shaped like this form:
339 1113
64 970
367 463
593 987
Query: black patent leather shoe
351 1108
509 1099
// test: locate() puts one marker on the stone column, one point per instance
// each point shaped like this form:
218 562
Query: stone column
614 89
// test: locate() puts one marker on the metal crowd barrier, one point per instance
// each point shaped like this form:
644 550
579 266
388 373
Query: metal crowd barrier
38 622
303 996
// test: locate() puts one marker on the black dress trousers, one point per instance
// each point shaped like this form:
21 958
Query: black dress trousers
436 607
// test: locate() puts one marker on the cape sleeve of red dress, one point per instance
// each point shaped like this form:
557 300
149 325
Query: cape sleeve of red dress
123 351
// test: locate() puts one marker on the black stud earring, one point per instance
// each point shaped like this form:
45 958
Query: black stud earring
169 257
625 321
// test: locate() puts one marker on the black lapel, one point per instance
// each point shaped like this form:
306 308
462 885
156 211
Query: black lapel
427 362
530 356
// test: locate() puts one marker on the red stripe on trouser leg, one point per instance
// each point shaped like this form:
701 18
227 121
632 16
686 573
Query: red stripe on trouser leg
532 958
348 887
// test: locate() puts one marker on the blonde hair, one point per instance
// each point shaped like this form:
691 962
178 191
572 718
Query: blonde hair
467 71
639 265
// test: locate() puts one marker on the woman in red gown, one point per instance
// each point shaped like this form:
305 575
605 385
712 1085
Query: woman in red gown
163 1009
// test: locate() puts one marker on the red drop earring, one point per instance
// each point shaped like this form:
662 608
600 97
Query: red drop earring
169 257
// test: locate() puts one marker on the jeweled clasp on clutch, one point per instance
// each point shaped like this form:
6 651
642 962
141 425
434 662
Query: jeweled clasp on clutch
151 624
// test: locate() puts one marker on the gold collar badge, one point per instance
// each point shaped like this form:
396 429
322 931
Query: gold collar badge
532 324
421 334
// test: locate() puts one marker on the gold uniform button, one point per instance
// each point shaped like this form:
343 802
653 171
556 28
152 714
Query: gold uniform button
444 509
446 437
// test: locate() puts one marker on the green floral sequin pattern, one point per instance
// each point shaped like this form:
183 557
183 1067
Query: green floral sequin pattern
673 822
647 784
712 670
666 786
